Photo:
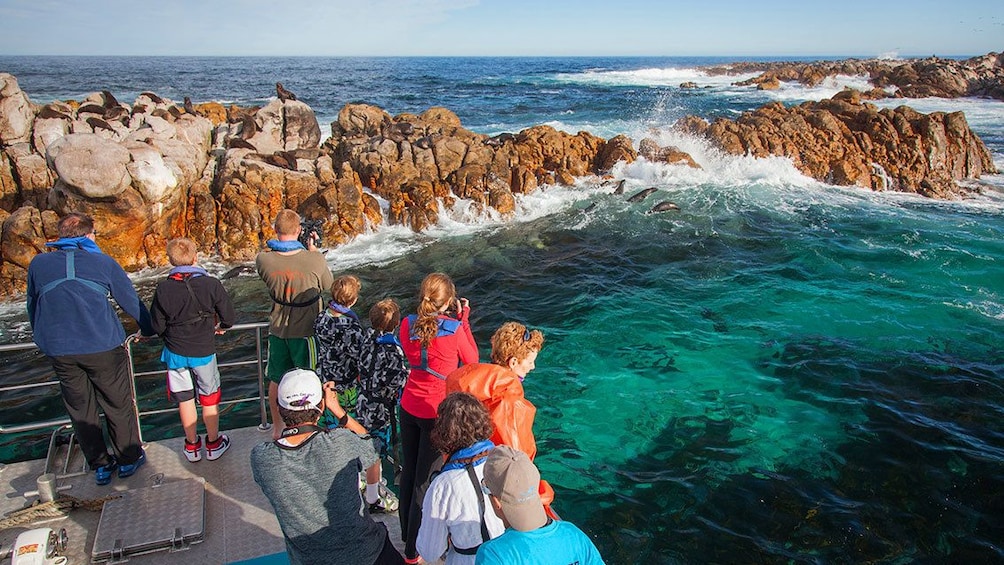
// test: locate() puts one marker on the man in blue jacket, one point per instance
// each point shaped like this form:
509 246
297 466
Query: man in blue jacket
76 326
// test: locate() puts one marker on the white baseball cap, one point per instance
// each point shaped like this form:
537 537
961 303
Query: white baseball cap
300 389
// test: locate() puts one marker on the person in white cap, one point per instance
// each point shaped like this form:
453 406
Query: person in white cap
512 484
311 477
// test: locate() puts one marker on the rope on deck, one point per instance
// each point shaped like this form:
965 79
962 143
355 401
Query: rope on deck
52 509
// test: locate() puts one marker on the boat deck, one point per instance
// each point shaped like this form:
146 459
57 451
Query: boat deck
238 521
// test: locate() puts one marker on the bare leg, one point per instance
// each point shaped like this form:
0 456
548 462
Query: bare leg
374 472
189 419
211 417
273 405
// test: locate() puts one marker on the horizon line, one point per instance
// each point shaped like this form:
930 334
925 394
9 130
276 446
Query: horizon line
621 56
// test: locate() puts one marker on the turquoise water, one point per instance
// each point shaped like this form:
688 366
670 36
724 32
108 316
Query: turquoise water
781 372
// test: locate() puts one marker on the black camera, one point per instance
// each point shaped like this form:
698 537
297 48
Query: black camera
308 227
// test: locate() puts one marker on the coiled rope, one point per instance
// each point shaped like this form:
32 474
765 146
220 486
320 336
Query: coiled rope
52 509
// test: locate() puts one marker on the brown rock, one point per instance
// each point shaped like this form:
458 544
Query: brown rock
651 150
847 142
616 149
213 111
34 177
16 112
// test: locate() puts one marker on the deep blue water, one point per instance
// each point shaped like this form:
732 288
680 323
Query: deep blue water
781 372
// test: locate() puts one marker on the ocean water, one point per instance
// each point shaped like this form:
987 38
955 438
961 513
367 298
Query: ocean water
781 372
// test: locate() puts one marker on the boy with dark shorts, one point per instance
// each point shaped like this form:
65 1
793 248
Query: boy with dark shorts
189 308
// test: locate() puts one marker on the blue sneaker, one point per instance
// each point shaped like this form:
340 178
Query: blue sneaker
103 474
130 469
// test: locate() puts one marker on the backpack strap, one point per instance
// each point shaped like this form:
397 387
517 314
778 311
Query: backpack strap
425 366
445 327
485 536
301 303
71 275
203 311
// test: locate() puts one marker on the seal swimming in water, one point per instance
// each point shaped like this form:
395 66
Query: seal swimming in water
238 270
665 206
282 93
620 187
642 195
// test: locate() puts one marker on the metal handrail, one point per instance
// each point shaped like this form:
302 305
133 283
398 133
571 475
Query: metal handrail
259 361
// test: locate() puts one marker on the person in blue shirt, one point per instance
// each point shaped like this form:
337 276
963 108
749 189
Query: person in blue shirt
77 328
531 537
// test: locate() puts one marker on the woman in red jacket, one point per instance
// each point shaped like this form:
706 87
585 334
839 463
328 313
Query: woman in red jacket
435 344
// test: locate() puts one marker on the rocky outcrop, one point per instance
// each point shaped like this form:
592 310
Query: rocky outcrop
914 78
845 141
417 161
153 170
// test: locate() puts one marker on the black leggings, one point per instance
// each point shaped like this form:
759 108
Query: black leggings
389 555
418 457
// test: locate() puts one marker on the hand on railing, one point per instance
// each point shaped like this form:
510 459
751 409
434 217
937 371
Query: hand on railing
138 337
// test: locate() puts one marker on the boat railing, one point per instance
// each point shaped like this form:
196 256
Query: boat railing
258 361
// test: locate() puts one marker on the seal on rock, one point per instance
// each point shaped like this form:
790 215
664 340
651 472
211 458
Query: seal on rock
98 123
116 113
92 109
500 140
48 112
423 142
153 97
282 93
238 143
110 100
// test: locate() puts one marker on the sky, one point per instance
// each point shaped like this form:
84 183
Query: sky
855 28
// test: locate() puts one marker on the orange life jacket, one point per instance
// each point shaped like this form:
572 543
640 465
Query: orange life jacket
501 392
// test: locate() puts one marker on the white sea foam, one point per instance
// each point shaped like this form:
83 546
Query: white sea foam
982 114
793 91
652 77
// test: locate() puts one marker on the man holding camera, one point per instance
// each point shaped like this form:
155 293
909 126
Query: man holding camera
296 275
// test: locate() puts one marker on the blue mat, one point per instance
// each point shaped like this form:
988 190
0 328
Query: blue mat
274 559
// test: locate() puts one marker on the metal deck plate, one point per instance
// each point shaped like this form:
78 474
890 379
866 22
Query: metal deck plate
167 516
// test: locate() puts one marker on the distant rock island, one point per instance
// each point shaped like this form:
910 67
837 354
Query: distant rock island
156 169
891 78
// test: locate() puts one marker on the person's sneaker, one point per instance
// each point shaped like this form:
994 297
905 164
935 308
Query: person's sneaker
386 504
193 451
130 469
215 449
103 474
